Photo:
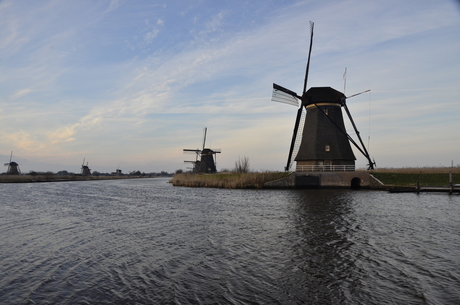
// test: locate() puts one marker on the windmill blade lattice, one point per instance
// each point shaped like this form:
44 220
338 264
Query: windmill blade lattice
298 139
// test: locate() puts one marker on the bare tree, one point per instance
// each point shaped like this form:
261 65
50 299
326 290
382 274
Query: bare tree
242 165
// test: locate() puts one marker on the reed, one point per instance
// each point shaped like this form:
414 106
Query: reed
230 180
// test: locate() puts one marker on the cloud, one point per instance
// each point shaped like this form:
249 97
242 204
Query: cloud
19 94
114 4
150 36
22 140
215 23
64 134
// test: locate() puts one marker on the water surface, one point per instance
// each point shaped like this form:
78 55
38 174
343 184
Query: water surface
144 241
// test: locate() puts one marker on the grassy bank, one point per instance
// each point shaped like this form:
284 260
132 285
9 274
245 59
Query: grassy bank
227 180
419 170
425 176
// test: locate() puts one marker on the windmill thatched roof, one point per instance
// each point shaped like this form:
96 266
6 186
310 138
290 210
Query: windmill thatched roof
322 95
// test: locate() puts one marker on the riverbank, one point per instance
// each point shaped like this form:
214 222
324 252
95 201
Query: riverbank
57 178
390 178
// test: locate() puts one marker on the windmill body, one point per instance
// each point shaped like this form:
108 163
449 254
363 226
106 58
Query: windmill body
207 164
324 143
13 169
85 170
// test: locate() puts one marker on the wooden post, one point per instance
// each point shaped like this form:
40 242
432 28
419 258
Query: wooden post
450 183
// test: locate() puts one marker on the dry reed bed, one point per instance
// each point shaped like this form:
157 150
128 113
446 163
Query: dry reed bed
227 180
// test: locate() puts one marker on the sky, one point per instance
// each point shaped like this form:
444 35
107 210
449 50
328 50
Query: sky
130 84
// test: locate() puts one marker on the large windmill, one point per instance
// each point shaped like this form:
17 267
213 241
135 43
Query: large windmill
205 158
322 143
13 167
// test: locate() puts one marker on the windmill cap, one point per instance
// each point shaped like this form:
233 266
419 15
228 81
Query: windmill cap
316 95
207 151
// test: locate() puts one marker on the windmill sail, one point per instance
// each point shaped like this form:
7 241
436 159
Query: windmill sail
284 96
298 140
299 112
363 150
312 26
294 137
204 137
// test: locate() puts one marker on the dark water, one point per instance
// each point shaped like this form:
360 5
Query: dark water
146 242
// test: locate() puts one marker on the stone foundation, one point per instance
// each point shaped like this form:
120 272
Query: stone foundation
353 179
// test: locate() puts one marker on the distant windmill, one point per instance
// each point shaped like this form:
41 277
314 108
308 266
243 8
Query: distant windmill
205 158
85 170
13 167
322 142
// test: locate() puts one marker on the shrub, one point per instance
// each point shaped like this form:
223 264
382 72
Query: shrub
242 165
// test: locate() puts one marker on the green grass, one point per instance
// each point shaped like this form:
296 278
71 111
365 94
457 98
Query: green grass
410 179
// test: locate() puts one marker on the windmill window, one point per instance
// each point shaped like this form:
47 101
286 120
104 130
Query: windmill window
328 148
326 111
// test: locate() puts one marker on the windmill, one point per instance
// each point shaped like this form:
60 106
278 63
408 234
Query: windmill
322 143
85 170
204 158
13 167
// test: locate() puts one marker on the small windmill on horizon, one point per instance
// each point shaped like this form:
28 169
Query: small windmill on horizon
13 167
320 141
204 158
85 170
